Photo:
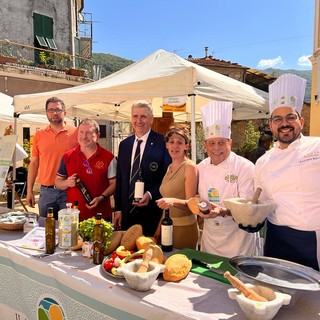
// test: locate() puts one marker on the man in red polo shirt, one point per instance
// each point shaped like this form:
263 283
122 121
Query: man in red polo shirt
48 147
94 166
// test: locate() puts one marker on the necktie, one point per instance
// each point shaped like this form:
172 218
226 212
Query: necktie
134 171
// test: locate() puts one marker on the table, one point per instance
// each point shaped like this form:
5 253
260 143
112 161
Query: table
75 289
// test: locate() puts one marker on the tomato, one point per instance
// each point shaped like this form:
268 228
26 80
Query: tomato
108 265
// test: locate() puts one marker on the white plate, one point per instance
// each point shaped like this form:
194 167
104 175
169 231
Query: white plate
108 272
277 272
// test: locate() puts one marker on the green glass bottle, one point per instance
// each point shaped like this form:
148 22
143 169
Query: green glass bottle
50 230
98 240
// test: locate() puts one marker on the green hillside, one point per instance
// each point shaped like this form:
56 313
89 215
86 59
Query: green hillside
306 74
109 63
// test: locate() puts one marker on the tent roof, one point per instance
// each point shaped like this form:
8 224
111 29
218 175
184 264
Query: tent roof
161 74
6 113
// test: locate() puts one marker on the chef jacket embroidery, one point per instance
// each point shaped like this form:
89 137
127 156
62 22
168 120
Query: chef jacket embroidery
213 195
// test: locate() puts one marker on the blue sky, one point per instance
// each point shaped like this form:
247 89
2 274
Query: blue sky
253 33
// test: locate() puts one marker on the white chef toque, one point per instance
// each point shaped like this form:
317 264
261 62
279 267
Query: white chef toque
216 119
287 91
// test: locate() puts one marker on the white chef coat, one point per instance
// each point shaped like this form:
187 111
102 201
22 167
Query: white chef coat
231 178
290 177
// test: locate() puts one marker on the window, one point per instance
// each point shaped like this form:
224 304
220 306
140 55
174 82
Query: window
41 41
43 31
43 34
51 43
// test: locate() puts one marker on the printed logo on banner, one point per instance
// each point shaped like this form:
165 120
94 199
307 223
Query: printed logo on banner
50 309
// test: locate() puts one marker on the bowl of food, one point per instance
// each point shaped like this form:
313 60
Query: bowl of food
140 281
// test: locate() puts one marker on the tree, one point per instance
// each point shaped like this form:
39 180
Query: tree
250 140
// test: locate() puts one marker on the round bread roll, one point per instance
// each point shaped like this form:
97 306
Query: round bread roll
177 267
143 242
115 241
129 238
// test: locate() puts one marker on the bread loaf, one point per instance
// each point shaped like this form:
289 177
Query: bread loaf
129 238
177 267
115 241
143 242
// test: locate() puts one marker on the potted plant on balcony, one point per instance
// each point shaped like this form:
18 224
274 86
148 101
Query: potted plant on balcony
76 72
6 55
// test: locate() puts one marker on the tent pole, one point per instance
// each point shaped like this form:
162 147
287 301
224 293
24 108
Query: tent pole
193 129
14 165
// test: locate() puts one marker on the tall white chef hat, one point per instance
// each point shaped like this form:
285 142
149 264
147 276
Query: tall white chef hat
216 119
287 91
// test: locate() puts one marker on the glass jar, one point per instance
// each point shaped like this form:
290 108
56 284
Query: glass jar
30 223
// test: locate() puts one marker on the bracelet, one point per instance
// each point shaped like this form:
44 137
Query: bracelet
104 196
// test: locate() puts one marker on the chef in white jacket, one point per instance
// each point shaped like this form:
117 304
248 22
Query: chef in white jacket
222 175
289 175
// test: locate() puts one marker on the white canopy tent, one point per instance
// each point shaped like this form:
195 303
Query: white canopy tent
7 111
161 74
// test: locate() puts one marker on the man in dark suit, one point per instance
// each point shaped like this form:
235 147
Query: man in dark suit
154 160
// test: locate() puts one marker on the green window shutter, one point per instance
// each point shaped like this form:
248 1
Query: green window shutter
47 23
37 24
42 25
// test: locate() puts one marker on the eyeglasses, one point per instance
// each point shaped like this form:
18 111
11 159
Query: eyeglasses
291 117
50 110
87 165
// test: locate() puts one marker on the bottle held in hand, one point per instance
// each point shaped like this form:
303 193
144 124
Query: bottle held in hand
167 232
139 187
83 191
98 240
50 229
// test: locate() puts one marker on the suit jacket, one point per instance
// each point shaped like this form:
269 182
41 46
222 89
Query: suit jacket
154 164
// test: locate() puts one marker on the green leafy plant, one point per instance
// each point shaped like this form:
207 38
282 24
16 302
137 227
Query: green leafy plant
86 230
26 147
250 139
6 48
44 58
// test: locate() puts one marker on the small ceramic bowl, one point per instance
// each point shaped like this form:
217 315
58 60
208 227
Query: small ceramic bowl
260 310
140 281
246 213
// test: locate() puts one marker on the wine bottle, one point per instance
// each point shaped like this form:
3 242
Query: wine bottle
98 240
83 191
50 230
167 232
139 187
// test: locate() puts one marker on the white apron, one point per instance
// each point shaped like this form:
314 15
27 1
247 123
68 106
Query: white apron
231 178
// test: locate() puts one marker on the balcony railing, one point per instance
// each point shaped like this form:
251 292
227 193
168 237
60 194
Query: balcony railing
37 57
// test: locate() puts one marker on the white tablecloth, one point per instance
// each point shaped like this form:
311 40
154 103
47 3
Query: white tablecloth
83 291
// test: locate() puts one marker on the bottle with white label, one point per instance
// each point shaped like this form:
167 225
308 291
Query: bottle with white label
139 187
166 232
68 228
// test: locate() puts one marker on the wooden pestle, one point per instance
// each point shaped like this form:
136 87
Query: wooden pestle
256 196
247 292
147 256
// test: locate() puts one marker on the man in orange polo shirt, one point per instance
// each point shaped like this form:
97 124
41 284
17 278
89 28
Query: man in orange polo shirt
48 147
